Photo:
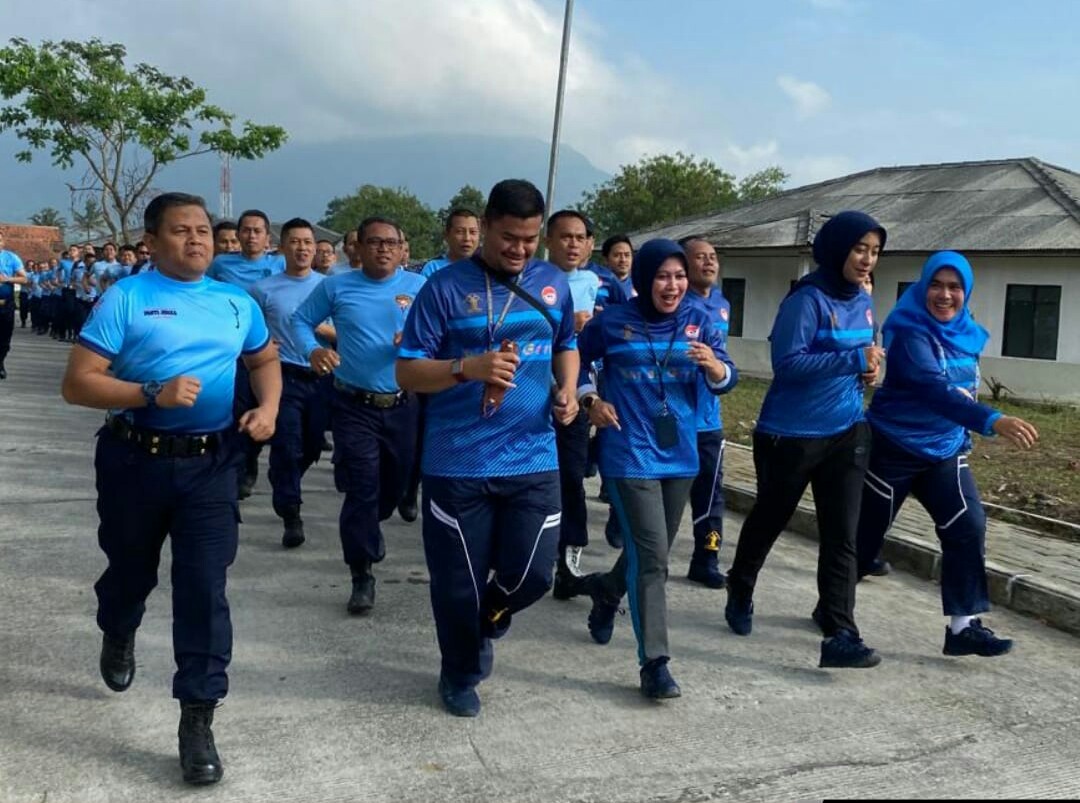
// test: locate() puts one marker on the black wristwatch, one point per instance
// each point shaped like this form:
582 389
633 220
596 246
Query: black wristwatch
150 391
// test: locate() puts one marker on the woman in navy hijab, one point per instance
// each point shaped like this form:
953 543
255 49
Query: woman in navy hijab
812 431
920 420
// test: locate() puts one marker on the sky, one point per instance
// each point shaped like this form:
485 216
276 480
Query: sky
819 87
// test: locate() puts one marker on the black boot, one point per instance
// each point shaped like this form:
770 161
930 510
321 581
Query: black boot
362 599
118 661
294 528
408 509
199 760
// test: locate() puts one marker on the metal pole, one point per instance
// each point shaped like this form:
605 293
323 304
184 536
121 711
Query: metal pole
554 161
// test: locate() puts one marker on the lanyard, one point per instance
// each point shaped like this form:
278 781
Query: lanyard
661 366
493 325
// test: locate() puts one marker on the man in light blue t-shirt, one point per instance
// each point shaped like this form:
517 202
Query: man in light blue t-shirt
373 420
302 417
11 274
159 353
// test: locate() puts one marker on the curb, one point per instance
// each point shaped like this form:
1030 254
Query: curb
1027 594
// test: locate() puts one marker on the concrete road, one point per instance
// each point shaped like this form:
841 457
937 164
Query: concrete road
325 707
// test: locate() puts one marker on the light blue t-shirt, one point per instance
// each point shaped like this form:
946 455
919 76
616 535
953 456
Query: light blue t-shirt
10 265
97 271
584 286
369 316
278 296
236 269
339 268
151 327
118 271
434 265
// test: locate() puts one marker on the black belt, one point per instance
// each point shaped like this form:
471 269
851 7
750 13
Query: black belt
163 444
369 398
299 372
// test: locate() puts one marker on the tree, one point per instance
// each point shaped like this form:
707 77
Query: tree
83 104
414 216
49 217
762 184
664 188
89 219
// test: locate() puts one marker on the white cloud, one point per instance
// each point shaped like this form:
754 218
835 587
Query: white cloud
809 98
330 69
812 169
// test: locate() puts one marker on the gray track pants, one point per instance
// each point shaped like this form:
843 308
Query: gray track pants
649 512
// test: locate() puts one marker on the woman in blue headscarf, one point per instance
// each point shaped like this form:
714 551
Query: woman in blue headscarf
812 431
656 350
920 420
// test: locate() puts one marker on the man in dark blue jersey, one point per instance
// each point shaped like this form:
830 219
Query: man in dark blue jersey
484 338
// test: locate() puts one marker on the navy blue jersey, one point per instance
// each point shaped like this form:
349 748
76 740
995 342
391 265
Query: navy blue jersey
817 356
709 415
632 383
453 317
927 402
151 327
611 291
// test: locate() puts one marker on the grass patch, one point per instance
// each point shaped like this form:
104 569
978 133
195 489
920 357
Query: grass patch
1044 480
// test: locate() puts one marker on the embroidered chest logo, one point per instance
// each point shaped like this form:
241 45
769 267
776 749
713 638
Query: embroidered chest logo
403 301
156 312
691 331
627 332
549 295
870 317
724 314
472 302
236 312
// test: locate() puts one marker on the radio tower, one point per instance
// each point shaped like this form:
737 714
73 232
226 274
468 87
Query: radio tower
225 205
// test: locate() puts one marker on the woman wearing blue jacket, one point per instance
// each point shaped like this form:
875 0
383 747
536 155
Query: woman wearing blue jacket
920 420
654 349
812 430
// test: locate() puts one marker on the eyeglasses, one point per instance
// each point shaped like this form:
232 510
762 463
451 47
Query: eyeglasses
379 242
143 252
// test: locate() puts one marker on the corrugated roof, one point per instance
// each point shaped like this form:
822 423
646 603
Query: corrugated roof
1007 205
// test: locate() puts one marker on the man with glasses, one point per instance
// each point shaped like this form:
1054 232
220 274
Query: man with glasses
373 420
142 258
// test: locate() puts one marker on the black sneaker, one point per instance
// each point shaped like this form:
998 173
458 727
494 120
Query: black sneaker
845 650
568 577
199 760
739 613
294 533
879 568
602 616
117 662
975 640
707 573
657 682
461 701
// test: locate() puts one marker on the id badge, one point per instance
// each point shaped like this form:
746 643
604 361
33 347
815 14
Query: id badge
667 431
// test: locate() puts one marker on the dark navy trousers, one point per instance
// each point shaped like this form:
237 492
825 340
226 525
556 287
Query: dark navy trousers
947 490
373 454
490 545
142 499
572 444
707 497
298 436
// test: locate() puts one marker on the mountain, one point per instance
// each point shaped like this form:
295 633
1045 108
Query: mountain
299 179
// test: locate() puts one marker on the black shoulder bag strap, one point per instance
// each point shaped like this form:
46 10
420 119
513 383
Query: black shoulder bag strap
521 293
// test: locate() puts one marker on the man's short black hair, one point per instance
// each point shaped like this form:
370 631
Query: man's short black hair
253 213
693 238
295 223
108 243
613 241
155 210
514 197
459 211
127 247
224 225
371 221
317 242
565 213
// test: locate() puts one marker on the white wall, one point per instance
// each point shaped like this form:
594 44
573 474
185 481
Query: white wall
768 279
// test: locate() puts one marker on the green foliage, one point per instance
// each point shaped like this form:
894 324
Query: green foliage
84 105
663 188
468 197
88 220
49 217
419 221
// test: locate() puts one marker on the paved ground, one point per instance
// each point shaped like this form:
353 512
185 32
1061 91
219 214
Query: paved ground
330 708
